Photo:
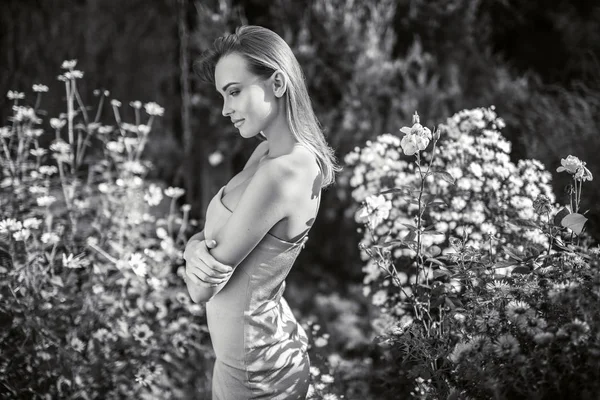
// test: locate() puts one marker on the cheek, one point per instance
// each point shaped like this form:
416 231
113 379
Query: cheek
259 105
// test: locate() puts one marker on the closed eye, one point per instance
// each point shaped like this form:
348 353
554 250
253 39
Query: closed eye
234 92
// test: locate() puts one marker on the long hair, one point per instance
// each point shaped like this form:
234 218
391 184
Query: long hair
266 52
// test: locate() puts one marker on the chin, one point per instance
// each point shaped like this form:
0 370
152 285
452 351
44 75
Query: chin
248 134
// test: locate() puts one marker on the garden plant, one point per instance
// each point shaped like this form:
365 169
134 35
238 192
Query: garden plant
92 300
486 285
488 288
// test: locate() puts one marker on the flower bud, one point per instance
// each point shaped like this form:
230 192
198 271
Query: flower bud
416 118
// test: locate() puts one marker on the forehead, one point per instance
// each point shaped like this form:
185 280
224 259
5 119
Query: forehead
231 68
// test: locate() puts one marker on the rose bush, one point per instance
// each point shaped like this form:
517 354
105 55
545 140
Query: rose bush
487 288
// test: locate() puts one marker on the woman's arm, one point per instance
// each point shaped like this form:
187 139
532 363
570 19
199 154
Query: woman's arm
203 292
265 202
198 236
193 289
202 271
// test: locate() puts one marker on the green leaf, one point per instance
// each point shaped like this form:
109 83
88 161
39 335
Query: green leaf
521 269
410 236
512 255
574 222
457 303
57 280
437 203
437 302
445 176
440 272
504 264
435 261
410 227
560 215
391 243
432 233
434 250
398 189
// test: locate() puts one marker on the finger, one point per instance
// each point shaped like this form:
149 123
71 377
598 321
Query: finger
205 278
206 270
208 283
207 259
198 282
211 244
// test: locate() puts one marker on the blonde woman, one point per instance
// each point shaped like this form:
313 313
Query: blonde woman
260 219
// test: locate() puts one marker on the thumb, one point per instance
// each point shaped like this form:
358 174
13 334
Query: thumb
211 244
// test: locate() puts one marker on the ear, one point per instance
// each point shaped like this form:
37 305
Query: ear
279 83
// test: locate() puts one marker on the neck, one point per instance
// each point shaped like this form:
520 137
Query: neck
280 138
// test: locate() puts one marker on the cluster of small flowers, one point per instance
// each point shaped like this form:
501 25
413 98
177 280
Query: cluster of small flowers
107 311
423 388
319 384
19 230
530 322
489 189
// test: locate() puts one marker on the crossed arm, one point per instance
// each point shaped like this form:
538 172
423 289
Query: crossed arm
202 270
261 206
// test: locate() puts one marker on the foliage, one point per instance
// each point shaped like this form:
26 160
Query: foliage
468 186
91 254
477 319
91 305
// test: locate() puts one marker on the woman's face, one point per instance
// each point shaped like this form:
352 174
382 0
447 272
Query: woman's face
247 98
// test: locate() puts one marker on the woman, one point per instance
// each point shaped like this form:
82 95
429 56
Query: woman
260 219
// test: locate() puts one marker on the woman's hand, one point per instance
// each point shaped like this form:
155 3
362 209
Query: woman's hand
201 268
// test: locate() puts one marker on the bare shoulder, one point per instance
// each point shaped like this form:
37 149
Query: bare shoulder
299 173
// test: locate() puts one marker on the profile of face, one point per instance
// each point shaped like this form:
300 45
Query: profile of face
250 101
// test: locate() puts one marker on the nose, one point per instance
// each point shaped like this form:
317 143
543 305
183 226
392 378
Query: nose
226 109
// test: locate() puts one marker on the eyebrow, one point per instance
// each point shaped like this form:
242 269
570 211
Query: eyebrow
224 88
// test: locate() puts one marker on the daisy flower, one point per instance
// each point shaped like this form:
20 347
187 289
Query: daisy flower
460 349
479 345
179 342
142 333
174 192
517 308
154 109
577 331
499 286
506 346
487 321
530 324
77 344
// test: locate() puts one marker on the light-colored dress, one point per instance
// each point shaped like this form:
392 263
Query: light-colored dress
261 350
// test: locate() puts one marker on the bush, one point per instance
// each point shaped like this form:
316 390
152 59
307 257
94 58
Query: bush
509 312
89 299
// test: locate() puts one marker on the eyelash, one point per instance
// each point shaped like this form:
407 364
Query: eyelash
234 91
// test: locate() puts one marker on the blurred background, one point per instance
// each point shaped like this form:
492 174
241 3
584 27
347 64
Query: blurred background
369 66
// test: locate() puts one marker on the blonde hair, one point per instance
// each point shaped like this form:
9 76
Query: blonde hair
265 51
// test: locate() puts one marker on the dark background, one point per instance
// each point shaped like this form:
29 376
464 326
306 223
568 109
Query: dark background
369 66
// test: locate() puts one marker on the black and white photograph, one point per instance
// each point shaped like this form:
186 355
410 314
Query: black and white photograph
299 200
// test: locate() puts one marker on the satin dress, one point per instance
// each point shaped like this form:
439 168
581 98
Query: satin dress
261 350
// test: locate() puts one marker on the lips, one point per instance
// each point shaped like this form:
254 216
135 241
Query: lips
238 122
